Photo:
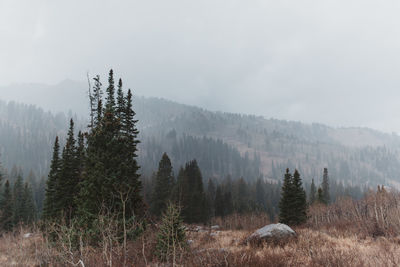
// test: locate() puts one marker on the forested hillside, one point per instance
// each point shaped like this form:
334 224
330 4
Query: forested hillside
223 143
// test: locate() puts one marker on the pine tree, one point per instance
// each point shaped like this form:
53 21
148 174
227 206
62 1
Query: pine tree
120 102
325 187
67 185
163 187
313 192
300 200
49 211
211 191
6 208
260 195
286 202
228 202
111 180
219 202
194 202
29 214
18 200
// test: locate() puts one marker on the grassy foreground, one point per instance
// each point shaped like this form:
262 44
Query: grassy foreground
345 233
329 247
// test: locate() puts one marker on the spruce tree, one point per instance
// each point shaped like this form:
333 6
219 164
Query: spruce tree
49 211
299 200
211 191
29 214
163 187
286 202
194 202
228 202
6 208
18 201
260 195
313 192
219 202
111 181
325 187
67 185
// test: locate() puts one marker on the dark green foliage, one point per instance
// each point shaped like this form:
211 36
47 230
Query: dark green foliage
111 179
49 210
163 186
219 202
293 204
6 208
287 199
325 187
29 213
191 195
171 238
18 201
68 179
300 200
211 191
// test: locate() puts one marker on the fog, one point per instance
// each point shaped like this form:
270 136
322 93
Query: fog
334 62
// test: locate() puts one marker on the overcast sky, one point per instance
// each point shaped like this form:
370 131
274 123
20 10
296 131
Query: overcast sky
335 62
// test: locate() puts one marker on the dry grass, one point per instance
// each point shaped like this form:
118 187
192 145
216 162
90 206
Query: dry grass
346 233
223 248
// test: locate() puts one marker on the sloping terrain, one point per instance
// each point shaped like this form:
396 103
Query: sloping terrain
353 155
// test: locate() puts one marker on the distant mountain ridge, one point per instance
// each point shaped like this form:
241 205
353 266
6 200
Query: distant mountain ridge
354 155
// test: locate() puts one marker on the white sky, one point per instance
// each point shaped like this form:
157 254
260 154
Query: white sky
335 62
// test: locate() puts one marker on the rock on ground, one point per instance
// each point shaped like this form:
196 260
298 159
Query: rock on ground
273 233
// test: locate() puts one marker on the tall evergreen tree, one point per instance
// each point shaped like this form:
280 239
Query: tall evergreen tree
300 200
228 202
219 202
211 191
111 181
18 201
193 202
325 187
260 195
67 185
6 208
293 203
163 187
29 213
313 192
286 202
49 211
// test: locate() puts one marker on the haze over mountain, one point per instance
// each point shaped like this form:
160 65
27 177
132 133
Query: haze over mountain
332 62
258 145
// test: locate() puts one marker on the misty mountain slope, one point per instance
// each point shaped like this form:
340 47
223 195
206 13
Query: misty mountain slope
356 155
27 135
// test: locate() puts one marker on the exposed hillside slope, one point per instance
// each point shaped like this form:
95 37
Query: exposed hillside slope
355 155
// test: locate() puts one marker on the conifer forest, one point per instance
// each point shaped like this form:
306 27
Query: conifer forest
199 133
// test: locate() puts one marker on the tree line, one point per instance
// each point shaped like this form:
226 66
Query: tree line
97 172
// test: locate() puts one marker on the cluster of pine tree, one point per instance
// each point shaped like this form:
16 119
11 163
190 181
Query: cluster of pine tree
16 204
293 203
186 191
322 195
219 199
98 172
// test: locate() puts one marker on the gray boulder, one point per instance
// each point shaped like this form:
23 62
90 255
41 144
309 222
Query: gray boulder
215 227
273 233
